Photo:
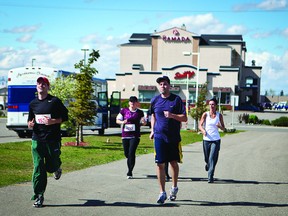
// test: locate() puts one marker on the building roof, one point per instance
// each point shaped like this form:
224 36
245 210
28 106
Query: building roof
205 39
139 39
221 39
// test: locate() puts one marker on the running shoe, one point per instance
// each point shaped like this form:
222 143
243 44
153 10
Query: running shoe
173 193
129 175
211 180
39 202
57 174
162 197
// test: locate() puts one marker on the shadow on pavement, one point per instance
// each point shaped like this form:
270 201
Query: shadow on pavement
93 203
206 203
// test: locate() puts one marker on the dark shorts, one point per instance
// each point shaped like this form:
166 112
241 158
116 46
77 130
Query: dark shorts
167 152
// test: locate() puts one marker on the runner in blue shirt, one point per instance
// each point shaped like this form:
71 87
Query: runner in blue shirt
168 112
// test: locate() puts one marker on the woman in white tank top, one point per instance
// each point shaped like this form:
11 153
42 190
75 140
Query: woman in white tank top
209 125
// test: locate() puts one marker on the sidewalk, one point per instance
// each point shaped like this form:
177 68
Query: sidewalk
245 184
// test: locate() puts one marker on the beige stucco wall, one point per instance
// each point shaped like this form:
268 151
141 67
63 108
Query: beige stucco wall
214 57
130 55
170 53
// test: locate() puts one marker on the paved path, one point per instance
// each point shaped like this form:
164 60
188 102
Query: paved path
251 179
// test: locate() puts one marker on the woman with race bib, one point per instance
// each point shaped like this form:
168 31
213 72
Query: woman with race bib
131 119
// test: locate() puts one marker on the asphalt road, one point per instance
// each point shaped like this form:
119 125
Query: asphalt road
230 119
251 179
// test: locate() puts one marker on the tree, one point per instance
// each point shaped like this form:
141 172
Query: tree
83 108
64 89
200 106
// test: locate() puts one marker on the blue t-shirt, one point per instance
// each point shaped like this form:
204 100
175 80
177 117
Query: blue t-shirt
167 129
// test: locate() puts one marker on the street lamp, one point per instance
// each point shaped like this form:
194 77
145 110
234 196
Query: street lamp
197 78
219 99
33 59
85 50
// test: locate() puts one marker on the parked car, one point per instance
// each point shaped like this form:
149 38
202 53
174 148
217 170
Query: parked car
249 108
282 105
274 105
267 105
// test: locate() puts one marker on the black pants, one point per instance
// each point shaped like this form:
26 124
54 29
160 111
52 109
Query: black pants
130 147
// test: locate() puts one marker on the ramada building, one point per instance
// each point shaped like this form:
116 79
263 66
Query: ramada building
187 59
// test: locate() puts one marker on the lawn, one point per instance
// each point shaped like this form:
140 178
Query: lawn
16 161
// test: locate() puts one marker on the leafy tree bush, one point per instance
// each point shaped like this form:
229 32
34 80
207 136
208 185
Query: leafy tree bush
253 119
83 108
266 122
282 121
2 114
200 107
64 89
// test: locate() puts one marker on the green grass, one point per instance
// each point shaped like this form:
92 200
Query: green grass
16 159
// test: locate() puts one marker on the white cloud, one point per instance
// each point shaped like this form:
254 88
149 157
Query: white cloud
236 29
285 32
204 23
264 5
273 70
272 4
25 38
259 35
23 29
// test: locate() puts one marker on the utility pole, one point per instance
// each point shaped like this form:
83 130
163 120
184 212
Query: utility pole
33 59
85 50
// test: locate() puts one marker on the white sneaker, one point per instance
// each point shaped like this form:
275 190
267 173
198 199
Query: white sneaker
173 193
162 197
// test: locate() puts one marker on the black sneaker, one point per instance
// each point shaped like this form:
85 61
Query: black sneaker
129 175
57 174
39 202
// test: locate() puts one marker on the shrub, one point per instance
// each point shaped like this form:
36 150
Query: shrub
240 118
2 113
253 119
266 122
282 121
245 117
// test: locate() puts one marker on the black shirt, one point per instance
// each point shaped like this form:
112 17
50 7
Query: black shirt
52 107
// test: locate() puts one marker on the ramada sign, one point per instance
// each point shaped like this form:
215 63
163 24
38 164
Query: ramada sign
176 37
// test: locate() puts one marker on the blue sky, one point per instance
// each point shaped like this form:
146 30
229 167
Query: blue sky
54 32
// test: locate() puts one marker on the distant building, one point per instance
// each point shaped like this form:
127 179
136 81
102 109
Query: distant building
3 91
174 52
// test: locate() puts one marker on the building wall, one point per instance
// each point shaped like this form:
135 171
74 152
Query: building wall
214 57
170 52
130 55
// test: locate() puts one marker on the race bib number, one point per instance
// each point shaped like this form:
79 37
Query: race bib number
129 127
40 118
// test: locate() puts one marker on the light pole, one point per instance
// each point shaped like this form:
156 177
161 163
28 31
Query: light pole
197 78
33 59
197 83
219 99
197 74
85 50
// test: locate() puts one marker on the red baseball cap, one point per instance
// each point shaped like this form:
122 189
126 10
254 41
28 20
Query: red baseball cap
43 79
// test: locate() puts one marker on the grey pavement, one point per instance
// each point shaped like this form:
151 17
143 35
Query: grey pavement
251 179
